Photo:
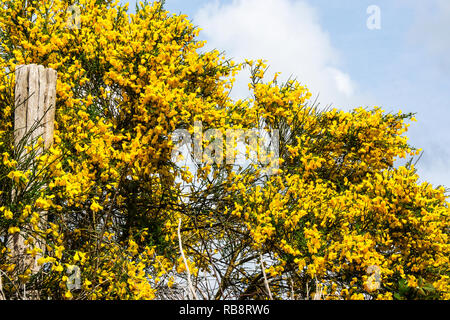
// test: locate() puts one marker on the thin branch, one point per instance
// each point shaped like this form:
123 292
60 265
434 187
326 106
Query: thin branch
2 294
292 290
266 283
225 279
318 295
185 262
307 291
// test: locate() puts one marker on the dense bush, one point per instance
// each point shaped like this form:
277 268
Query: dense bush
337 220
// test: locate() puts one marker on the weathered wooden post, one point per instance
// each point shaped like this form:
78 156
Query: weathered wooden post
35 96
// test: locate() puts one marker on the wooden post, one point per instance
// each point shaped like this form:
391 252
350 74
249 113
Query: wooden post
35 97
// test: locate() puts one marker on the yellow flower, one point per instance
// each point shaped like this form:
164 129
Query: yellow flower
12 230
58 268
6 213
95 207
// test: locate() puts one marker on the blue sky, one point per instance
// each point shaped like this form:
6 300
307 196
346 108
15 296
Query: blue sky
326 44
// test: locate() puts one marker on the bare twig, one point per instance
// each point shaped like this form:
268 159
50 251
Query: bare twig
25 292
292 290
266 283
185 262
228 272
307 291
318 295
2 295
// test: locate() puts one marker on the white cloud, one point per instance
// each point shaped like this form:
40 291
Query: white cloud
343 82
288 35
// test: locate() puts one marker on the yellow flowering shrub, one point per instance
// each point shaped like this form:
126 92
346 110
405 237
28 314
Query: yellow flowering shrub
338 217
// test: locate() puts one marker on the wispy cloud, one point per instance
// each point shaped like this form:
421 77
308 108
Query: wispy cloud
287 34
